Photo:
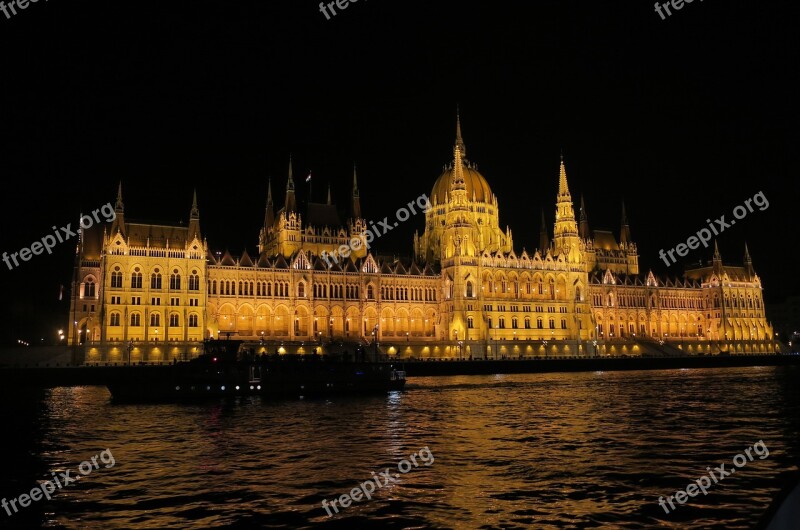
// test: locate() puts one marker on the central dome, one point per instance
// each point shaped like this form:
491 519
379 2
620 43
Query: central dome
475 182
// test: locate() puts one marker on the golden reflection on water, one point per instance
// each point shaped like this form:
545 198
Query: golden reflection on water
515 451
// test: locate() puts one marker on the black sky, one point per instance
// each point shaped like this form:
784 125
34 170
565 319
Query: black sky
684 118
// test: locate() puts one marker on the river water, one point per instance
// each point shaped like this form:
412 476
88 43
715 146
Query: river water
577 450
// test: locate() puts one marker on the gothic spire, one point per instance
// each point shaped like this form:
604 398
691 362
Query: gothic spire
356 205
118 224
194 219
195 214
583 229
291 201
565 230
269 216
748 261
625 233
717 260
119 206
563 188
544 241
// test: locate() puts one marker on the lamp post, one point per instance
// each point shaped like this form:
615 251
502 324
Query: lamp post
130 349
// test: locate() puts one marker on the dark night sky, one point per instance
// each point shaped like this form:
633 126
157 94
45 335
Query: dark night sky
684 118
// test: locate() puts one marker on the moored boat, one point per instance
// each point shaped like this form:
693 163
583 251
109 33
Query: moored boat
228 370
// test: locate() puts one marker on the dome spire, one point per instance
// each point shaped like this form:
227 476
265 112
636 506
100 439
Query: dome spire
459 139
458 171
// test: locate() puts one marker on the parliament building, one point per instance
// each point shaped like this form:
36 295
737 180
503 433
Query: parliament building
145 292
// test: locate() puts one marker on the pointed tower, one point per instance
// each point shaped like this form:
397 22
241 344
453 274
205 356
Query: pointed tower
544 239
269 216
356 205
748 262
119 210
194 219
565 233
329 194
717 260
583 229
625 231
291 202
265 236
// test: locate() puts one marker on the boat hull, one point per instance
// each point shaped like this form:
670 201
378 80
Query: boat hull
192 382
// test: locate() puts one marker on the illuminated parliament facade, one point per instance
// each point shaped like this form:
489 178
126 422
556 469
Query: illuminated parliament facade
146 292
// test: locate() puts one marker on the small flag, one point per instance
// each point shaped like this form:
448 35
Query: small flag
308 178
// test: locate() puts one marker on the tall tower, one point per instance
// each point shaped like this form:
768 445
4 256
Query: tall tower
565 232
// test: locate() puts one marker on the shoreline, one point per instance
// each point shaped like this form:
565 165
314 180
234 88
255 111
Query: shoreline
65 375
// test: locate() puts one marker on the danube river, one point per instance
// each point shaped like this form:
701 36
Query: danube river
578 450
